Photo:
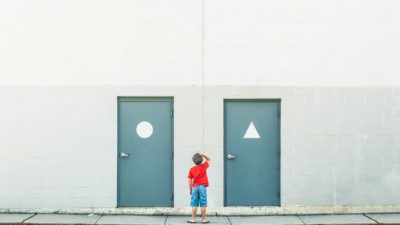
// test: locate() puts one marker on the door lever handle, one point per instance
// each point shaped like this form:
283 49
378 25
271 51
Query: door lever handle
230 157
124 155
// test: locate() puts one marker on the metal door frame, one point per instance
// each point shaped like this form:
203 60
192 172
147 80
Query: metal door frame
146 99
279 142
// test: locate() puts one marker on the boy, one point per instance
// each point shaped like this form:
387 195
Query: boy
198 183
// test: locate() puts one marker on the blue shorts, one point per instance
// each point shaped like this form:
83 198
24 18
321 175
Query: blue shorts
199 196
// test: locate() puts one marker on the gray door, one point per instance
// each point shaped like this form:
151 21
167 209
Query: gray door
145 151
252 147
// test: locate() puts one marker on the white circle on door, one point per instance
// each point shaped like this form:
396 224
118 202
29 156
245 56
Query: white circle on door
144 129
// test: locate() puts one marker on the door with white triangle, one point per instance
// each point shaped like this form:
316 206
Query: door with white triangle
252 152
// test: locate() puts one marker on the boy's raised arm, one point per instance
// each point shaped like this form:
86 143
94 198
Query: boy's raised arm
208 159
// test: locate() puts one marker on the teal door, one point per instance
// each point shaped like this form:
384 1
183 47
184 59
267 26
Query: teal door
145 151
252 147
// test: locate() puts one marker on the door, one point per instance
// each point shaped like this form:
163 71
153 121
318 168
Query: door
145 127
252 152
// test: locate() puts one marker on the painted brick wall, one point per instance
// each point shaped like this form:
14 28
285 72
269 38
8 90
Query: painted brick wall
340 146
63 64
57 147
89 42
160 42
306 43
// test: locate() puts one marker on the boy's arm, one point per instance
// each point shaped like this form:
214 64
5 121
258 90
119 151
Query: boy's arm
190 185
208 159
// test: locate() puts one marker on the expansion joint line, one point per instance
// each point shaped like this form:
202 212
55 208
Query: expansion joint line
165 221
23 221
229 219
300 219
203 72
101 216
364 214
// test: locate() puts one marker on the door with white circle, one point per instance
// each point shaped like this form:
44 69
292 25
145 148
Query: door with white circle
145 152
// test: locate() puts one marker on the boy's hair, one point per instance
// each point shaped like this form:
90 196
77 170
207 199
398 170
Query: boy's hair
197 159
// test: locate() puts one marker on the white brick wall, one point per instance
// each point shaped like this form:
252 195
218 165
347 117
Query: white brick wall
340 154
63 63
307 43
160 42
58 144
111 42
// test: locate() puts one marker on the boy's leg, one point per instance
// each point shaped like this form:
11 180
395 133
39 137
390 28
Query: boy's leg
194 212
203 203
194 202
203 213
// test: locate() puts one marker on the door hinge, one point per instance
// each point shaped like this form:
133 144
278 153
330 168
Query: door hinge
172 154
172 196
278 194
279 114
172 113
279 155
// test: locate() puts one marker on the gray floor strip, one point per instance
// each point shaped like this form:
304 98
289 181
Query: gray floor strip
337 219
385 218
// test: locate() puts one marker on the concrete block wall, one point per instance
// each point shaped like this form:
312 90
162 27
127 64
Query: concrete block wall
334 65
340 146
306 43
156 42
110 42
57 148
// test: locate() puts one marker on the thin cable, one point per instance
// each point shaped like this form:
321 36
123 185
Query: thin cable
203 74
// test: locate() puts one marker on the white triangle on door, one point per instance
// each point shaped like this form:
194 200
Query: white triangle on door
251 132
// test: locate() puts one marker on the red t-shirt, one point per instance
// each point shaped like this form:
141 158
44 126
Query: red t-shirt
199 175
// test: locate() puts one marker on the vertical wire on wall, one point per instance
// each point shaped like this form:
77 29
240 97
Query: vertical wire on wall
203 74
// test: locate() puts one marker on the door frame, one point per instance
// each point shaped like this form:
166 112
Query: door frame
146 99
279 101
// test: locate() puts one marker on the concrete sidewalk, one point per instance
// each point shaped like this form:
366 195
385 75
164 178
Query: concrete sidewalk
179 220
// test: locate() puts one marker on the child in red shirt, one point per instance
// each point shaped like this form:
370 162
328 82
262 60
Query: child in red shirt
198 183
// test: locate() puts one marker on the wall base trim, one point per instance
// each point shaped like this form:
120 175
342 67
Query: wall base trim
218 211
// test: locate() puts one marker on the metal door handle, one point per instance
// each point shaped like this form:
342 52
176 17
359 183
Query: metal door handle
124 155
230 157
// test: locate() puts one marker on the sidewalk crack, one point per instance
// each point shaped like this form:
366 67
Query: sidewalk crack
166 218
23 221
301 219
370 218
101 216
229 219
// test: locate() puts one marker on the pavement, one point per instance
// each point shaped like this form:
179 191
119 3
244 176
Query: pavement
64 219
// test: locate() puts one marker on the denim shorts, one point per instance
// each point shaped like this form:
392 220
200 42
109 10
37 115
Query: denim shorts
199 196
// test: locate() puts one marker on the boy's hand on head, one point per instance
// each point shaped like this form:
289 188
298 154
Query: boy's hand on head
206 157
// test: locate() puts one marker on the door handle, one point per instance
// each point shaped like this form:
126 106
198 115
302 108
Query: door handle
230 157
124 155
